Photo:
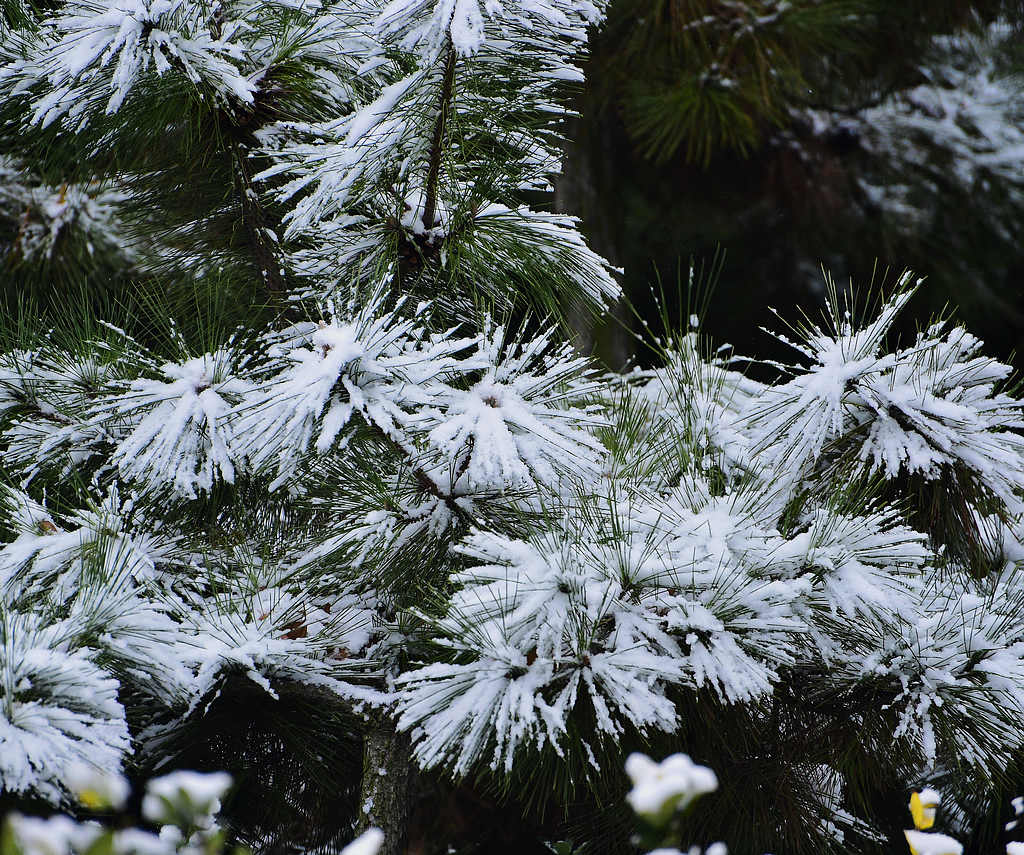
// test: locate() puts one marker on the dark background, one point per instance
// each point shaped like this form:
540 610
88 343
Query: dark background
864 137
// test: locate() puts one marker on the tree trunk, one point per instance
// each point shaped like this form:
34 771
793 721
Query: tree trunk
386 787
589 179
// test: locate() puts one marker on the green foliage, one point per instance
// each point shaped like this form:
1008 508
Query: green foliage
705 76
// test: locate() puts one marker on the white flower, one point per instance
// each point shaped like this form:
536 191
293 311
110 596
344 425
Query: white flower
192 796
662 788
927 843
55 835
96 789
367 843
923 806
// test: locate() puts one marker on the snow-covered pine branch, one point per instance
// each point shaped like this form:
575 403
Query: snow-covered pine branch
100 51
410 168
175 430
59 708
52 217
926 409
363 360
385 490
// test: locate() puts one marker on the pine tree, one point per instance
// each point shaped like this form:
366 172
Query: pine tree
310 484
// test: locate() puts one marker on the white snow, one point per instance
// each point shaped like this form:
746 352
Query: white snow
58 710
177 428
579 541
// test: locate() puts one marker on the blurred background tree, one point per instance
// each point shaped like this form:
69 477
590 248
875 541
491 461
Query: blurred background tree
861 135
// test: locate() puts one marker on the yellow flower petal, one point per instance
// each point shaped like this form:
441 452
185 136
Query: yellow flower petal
91 799
923 811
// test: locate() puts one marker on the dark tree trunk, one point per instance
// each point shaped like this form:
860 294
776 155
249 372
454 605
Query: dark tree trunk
387 782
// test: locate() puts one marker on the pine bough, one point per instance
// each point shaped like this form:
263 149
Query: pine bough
445 517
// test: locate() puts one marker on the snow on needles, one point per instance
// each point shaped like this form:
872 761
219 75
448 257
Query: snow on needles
372 362
422 22
107 46
438 508
614 541
518 421
178 432
927 409
58 708
695 584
